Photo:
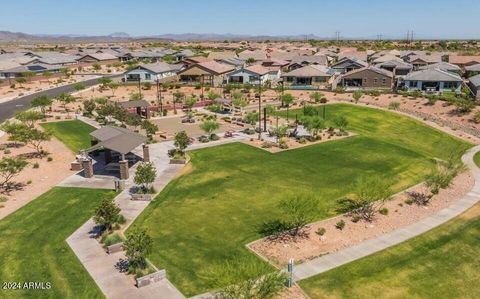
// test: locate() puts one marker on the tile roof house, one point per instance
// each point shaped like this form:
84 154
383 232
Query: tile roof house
397 67
98 58
152 72
443 66
254 74
474 84
463 61
420 60
369 77
309 75
433 81
348 64
219 55
208 72
38 68
472 70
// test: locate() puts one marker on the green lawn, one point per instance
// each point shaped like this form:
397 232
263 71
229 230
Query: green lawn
442 263
476 159
33 246
73 133
204 218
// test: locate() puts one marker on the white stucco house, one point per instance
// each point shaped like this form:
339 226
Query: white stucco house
433 81
254 74
152 72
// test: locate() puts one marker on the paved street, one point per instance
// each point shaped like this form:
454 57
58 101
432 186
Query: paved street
7 109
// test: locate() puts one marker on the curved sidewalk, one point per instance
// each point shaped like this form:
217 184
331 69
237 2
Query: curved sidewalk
339 258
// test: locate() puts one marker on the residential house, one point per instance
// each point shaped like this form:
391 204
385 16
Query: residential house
397 67
474 84
153 72
236 62
211 73
254 74
463 61
472 70
38 68
452 68
308 76
103 58
369 77
302 61
433 81
420 60
183 54
195 60
257 55
220 55
348 64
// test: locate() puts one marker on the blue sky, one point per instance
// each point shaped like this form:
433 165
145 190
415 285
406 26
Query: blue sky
353 18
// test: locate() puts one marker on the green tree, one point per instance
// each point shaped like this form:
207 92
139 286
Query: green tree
252 118
21 81
137 246
316 96
41 102
341 122
97 66
149 127
314 125
34 138
89 106
113 87
66 72
104 81
209 126
107 214
65 99
287 99
181 141
297 211
212 95
357 95
29 117
250 60
9 168
178 96
144 176
136 96
28 75
190 102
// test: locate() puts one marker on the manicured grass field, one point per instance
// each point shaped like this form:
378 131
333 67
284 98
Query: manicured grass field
33 246
442 263
73 133
206 217
476 159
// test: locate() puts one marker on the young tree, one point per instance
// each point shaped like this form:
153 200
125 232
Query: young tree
137 246
149 127
212 95
314 124
252 119
65 99
239 103
357 95
181 141
14 130
21 81
190 102
89 106
35 138
28 75
136 96
107 214
104 81
177 98
9 168
209 126
66 72
42 102
96 67
287 99
297 211
341 122
113 87
144 176
250 60
28 117
316 96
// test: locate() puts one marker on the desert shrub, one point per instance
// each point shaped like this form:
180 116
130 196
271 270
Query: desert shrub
356 218
321 231
408 201
383 211
419 198
109 240
49 159
476 117
3 199
302 140
203 139
340 225
214 137
282 143
36 165
394 105
7 151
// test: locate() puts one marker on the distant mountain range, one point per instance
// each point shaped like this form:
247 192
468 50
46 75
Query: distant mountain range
8 36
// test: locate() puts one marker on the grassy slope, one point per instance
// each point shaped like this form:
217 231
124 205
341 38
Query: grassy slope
207 216
33 246
73 133
442 263
476 159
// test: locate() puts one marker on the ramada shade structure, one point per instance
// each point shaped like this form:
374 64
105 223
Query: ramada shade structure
117 139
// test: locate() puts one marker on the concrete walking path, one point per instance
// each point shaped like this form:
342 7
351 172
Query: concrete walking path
339 258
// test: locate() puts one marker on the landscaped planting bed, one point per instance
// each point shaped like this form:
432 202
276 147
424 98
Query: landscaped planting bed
211 213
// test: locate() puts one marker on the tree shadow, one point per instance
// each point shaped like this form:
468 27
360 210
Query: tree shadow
11 186
122 265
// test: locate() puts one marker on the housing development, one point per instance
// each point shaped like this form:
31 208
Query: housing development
239 167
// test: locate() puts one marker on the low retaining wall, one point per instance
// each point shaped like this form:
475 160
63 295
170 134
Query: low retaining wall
151 278
115 248
142 197
178 161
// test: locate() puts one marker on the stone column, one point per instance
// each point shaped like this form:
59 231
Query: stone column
147 112
87 168
146 153
108 155
123 170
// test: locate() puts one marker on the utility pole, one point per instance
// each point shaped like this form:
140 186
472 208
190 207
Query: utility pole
259 109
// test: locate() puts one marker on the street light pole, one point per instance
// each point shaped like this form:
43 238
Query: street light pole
259 109
139 86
